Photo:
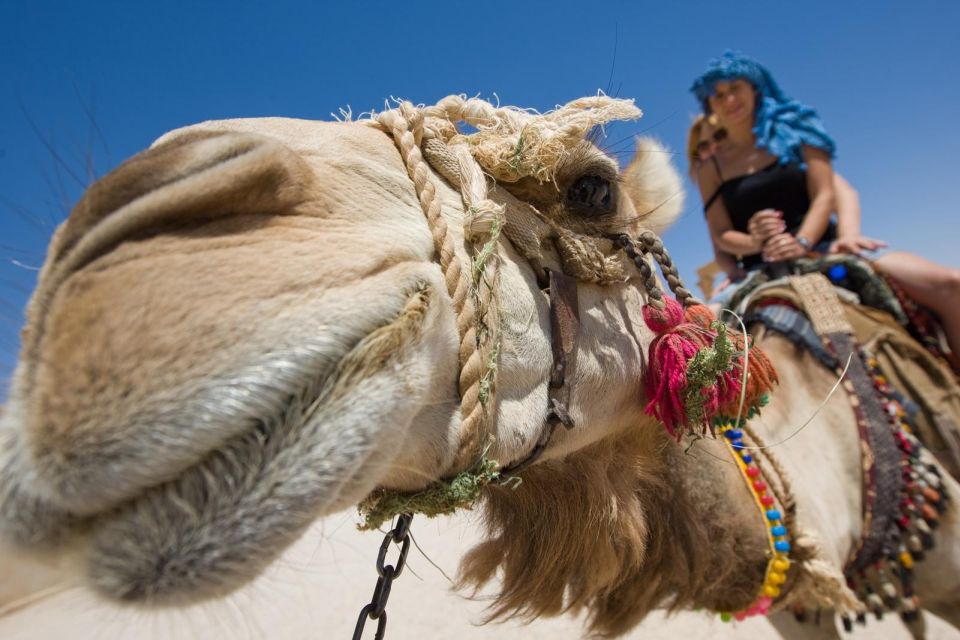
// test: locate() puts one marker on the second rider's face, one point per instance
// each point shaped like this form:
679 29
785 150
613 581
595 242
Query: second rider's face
733 102
707 145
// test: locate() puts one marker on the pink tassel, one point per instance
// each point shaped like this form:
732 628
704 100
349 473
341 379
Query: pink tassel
681 334
666 379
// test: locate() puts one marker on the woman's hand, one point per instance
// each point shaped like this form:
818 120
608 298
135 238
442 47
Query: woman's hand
726 282
783 246
856 245
765 224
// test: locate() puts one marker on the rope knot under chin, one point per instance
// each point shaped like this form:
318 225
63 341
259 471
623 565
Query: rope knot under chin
482 218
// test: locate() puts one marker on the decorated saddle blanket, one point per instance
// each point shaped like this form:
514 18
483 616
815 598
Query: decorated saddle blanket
926 384
857 281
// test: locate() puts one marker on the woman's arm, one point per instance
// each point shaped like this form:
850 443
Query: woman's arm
820 188
848 207
727 263
724 236
849 239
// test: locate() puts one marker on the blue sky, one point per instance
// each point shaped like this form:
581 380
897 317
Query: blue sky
100 81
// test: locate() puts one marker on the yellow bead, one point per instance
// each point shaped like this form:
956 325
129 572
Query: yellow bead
771 590
781 565
906 560
776 578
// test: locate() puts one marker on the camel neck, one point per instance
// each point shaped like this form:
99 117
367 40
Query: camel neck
708 482
626 526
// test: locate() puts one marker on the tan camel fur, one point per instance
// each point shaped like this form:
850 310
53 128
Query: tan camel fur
245 328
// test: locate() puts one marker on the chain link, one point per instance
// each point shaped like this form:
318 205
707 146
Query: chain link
377 607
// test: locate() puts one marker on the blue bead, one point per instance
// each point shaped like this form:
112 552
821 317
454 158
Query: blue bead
773 514
781 545
733 434
746 457
737 445
837 272
778 530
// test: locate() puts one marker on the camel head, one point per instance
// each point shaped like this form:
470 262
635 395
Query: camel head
247 327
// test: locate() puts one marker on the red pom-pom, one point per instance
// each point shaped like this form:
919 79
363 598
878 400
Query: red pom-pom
662 320
666 379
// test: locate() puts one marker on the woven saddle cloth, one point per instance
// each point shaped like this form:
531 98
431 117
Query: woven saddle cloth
794 309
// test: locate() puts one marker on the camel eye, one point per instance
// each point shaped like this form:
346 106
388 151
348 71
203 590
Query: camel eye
591 192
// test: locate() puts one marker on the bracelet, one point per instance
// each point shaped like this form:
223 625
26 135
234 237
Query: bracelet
803 242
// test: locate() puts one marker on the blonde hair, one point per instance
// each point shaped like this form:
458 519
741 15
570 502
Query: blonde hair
693 140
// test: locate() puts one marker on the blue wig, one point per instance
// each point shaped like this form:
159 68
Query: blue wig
782 125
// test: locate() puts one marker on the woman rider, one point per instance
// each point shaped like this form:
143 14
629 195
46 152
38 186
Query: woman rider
769 187
768 193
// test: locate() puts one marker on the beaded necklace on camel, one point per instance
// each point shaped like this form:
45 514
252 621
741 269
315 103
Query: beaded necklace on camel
775 519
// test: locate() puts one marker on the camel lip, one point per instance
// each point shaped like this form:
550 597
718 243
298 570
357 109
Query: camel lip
153 545
150 449
221 522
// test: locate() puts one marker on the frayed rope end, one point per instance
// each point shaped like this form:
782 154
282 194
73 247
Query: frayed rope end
439 498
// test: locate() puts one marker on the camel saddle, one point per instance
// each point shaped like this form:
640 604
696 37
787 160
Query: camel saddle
799 308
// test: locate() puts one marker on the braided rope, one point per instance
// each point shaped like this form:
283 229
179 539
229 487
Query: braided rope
401 124
473 292
649 279
482 225
653 245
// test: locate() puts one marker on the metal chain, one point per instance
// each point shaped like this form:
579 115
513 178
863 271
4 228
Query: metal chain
377 608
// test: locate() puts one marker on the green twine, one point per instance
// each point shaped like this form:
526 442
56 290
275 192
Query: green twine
478 276
481 257
516 163
440 498
703 370
752 412
489 371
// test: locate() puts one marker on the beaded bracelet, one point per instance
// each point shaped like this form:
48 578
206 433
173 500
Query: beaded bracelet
777 535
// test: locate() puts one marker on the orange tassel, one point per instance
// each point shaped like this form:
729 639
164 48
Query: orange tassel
762 376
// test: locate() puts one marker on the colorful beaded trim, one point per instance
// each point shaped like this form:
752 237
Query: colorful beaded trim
887 585
777 534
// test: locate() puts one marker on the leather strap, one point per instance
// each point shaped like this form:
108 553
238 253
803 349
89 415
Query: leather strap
564 330
880 457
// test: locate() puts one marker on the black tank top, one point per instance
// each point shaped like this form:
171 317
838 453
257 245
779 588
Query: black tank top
778 186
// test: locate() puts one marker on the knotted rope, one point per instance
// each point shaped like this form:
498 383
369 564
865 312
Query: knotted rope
470 291
509 144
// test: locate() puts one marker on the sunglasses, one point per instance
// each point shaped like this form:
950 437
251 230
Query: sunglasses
718 136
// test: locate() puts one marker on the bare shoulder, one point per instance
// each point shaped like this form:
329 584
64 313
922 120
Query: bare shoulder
815 154
708 179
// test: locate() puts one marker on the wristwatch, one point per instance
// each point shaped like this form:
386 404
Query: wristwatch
803 242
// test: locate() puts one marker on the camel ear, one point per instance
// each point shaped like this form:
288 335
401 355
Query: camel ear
653 186
189 175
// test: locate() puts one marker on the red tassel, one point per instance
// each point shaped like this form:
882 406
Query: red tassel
666 378
681 334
